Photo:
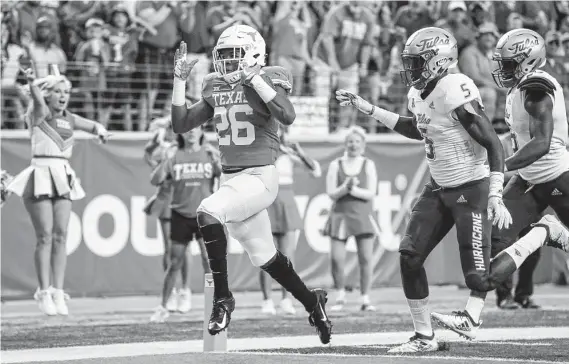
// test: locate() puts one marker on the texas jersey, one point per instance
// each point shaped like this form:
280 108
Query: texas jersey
554 163
192 174
247 137
454 157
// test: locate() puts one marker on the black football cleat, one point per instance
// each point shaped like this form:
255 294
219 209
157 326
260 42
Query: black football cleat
319 318
220 314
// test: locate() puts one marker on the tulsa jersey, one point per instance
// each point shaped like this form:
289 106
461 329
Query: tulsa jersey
247 137
454 158
554 163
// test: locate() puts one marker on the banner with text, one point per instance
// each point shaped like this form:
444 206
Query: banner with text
115 249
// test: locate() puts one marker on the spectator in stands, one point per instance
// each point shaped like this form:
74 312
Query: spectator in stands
458 23
482 12
74 15
122 35
564 38
94 56
515 21
351 182
227 14
156 55
475 61
554 65
289 44
370 85
415 16
195 34
396 91
24 18
533 16
502 11
43 51
49 185
284 215
12 54
343 52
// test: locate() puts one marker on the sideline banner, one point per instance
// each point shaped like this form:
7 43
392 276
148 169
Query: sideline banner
114 249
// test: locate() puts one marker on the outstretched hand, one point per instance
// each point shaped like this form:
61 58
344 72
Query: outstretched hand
346 98
183 68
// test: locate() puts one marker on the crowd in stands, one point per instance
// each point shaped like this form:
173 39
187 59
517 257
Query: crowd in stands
119 54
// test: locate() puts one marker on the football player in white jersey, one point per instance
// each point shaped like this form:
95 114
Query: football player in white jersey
535 113
464 190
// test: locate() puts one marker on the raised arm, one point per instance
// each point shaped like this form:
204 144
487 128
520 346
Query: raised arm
40 110
371 190
161 173
403 125
298 155
186 118
538 103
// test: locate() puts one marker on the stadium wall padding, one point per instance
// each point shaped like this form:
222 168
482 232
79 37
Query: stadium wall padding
114 249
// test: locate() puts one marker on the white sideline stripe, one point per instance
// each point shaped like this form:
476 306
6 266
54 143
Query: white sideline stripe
244 344
414 358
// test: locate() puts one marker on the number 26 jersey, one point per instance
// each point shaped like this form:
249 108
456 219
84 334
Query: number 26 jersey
246 131
454 157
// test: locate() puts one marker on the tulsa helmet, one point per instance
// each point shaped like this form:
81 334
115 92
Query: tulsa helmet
518 53
238 47
428 53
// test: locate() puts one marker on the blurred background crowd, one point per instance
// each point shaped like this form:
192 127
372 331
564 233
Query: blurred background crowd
119 54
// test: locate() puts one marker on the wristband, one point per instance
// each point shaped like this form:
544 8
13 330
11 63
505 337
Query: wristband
179 92
496 184
385 117
266 92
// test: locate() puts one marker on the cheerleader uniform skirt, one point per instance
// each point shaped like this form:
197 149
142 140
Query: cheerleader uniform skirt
283 213
342 225
47 178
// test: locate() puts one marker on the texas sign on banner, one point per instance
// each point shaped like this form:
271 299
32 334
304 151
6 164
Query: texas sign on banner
114 248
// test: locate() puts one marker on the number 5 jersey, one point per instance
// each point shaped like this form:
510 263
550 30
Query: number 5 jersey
454 157
556 162
247 132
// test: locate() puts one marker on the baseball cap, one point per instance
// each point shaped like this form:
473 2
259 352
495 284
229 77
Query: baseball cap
454 5
94 22
488 28
43 21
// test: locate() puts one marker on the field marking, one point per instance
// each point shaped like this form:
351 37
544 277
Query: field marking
245 344
414 357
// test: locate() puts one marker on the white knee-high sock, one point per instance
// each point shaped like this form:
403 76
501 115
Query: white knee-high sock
474 307
421 314
523 248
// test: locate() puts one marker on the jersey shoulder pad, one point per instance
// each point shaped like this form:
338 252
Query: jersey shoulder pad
279 76
207 84
537 82
458 90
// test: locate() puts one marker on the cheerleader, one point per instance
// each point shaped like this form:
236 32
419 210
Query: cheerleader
284 215
191 172
351 182
49 185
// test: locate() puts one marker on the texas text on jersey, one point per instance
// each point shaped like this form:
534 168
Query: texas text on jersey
556 161
247 132
454 157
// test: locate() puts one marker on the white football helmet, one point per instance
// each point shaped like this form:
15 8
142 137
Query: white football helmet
518 53
238 47
428 53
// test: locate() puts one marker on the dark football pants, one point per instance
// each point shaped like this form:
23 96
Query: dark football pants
526 204
435 212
